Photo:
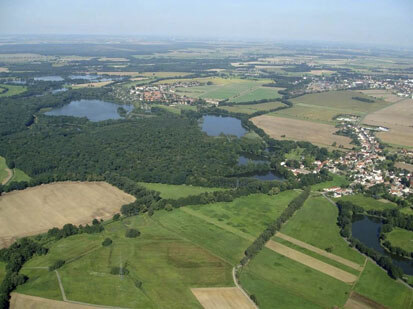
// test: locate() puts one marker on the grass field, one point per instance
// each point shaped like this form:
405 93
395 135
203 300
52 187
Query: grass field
253 108
341 100
232 89
177 191
3 172
2 271
37 209
324 107
176 109
398 118
401 238
91 85
19 175
368 203
315 224
377 285
338 180
278 281
167 264
11 90
246 213
300 130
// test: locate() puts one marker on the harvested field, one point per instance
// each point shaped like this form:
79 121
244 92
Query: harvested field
357 301
222 298
300 130
399 119
21 301
311 262
35 210
320 252
405 166
382 94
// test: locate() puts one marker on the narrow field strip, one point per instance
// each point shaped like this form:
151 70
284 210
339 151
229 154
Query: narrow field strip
217 223
320 251
311 262
357 301
222 298
22 301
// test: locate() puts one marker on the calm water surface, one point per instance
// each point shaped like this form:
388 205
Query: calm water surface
367 230
50 78
215 125
94 110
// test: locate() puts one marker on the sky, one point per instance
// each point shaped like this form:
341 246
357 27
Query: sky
384 22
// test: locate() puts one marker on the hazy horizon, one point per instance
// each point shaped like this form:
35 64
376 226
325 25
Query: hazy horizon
367 22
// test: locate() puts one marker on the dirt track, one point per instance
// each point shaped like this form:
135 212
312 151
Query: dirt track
311 262
222 298
320 251
35 210
9 176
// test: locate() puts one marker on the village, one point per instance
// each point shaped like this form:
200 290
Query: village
363 167
164 93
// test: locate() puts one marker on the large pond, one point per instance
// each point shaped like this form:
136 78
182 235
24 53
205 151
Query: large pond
367 230
90 78
215 125
50 78
94 110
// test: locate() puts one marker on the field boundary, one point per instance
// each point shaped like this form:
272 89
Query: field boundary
311 262
320 251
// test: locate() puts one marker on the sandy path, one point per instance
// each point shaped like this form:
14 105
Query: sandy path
320 251
311 262
9 176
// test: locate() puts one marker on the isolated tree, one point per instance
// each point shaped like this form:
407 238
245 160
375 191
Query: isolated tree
132 233
107 242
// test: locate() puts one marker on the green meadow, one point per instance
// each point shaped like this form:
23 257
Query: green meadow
177 191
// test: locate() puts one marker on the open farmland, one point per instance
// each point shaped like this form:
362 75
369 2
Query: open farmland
399 119
369 203
299 130
315 224
40 208
217 298
253 108
375 284
21 301
382 94
167 264
277 279
91 85
177 191
10 90
244 214
231 89
325 106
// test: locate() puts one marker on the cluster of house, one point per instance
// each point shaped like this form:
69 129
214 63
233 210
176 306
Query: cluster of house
163 93
401 87
362 167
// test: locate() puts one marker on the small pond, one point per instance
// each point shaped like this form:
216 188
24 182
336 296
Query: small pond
215 125
50 78
94 110
367 230
246 158
91 78
268 176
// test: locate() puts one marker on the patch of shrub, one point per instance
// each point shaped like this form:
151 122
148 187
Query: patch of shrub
57 265
107 242
132 233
